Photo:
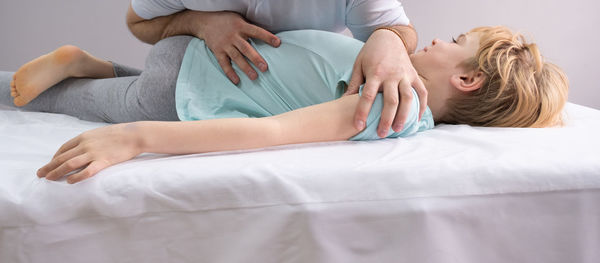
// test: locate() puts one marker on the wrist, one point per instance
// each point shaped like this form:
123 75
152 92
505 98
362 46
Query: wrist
396 32
138 136
407 34
187 22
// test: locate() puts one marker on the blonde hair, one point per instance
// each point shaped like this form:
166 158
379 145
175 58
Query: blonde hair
520 89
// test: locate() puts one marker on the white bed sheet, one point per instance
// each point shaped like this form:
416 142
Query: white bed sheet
452 194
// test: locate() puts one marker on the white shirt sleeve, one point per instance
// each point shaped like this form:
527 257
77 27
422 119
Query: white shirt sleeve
149 9
364 16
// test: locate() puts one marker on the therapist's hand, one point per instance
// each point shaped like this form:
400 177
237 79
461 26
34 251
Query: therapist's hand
93 151
384 63
226 34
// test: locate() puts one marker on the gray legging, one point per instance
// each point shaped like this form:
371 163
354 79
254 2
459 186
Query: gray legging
132 96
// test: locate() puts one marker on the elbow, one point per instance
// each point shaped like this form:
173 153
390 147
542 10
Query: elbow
136 30
138 27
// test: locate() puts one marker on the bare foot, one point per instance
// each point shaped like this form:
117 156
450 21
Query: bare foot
44 72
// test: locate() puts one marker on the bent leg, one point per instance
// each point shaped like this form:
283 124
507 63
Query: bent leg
42 73
124 71
100 100
150 96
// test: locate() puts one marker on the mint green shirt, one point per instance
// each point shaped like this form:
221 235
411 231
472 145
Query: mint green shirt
309 67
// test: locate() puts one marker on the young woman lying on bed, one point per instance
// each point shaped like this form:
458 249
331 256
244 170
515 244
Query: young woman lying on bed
486 77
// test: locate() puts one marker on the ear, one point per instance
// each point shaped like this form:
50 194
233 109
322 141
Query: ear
469 81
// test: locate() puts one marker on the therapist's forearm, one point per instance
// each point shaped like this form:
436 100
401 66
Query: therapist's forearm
151 31
409 35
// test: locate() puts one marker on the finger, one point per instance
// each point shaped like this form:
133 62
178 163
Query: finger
357 78
225 64
406 97
92 169
249 52
58 161
75 163
390 107
67 146
242 63
422 93
365 102
257 32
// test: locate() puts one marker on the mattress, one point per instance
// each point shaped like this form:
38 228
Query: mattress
452 194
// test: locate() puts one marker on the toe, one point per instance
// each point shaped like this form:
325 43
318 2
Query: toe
13 90
18 101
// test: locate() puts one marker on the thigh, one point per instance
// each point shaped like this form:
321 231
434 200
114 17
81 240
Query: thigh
155 89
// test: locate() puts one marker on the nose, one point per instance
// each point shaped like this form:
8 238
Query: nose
434 41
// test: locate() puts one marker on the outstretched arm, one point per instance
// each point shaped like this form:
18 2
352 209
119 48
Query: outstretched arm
100 148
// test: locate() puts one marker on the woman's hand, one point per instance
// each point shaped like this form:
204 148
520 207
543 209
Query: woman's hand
93 151
226 34
385 64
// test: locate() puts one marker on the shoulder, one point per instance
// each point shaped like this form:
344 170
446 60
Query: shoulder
411 126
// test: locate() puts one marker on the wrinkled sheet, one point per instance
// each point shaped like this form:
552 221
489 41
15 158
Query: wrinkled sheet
452 194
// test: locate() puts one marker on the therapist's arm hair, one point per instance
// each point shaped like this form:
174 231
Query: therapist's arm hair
409 36
153 30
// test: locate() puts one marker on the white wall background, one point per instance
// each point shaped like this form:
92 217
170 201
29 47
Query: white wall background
566 31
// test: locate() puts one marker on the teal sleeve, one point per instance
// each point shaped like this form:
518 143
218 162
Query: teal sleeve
411 126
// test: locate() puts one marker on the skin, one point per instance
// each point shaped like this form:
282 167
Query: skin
41 73
383 62
225 34
383 65
97 149
453 80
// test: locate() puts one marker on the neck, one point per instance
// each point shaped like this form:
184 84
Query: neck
433 102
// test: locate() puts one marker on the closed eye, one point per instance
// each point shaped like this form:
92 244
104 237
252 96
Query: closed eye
454 40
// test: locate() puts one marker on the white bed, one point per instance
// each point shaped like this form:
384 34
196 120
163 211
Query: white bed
452 194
